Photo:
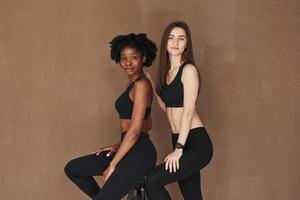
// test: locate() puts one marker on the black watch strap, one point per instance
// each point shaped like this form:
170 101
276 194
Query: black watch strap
179 146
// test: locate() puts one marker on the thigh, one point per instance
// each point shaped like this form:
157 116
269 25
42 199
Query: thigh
131 169
89 165
188 166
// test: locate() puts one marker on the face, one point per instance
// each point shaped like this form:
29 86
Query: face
177 41
131 61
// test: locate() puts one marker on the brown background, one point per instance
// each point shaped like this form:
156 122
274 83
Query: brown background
58 86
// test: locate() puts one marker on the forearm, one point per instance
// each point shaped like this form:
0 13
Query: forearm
127 143
185 127
160 102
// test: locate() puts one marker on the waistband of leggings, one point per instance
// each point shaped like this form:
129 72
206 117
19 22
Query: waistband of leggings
194 130
142 134
196 137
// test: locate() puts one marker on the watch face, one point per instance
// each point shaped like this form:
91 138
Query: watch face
178 146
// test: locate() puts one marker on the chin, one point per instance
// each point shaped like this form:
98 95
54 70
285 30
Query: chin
131 73
177 53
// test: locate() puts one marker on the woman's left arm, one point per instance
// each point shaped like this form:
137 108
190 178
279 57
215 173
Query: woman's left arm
141 93
190 82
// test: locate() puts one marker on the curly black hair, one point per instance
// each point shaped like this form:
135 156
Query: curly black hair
139 41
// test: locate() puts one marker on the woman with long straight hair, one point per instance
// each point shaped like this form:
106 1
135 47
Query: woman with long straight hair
177 90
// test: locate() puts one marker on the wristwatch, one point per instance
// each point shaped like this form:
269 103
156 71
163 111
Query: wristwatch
179 146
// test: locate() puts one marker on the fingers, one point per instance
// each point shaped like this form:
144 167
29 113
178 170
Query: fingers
95 152
167 164
147 75
172 165
109 153
167 160
104 178
99 151
107 174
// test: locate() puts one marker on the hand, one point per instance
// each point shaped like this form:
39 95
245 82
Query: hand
149 78
109 170
111 149
172 160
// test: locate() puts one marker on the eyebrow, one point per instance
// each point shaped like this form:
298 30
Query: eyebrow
178 35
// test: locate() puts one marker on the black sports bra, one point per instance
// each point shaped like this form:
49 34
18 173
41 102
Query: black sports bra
172 94
124 105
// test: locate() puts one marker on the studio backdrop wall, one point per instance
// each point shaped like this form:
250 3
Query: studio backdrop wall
58 86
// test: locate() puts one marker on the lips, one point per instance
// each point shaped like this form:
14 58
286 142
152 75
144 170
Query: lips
129 69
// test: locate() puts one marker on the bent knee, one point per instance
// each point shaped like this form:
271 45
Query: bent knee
69 168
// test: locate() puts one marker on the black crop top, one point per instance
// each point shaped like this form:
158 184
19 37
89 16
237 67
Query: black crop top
172 94
124 105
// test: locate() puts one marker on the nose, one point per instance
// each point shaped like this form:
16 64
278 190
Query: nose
175 42
128 62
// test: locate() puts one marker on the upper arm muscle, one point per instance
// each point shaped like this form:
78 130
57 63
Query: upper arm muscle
190 82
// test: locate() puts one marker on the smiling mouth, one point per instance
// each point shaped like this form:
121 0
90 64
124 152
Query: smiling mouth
129 70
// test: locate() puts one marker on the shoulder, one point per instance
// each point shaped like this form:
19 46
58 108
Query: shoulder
142 84
189 68
189 71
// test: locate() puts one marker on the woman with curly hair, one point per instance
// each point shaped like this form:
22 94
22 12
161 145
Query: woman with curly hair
177 91
124 164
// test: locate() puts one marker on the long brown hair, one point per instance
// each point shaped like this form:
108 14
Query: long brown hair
164 60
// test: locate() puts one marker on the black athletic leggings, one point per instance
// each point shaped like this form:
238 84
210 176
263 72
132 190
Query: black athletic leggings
196 155
137 163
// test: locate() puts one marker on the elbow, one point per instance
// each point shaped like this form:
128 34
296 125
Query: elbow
132 137
133 133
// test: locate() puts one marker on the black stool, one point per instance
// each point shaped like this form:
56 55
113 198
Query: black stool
138 192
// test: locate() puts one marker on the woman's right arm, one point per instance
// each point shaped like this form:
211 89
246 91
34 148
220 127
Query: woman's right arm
157 97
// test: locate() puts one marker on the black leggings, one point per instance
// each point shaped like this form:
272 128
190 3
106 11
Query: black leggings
196 155
137 163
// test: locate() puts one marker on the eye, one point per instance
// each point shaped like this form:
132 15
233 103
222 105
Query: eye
122 58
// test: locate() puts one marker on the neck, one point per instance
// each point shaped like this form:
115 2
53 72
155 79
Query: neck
132 78
175 61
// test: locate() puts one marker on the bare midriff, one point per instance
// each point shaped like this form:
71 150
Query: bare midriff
125 125
174 115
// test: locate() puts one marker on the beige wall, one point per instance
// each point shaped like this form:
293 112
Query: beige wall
58 85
